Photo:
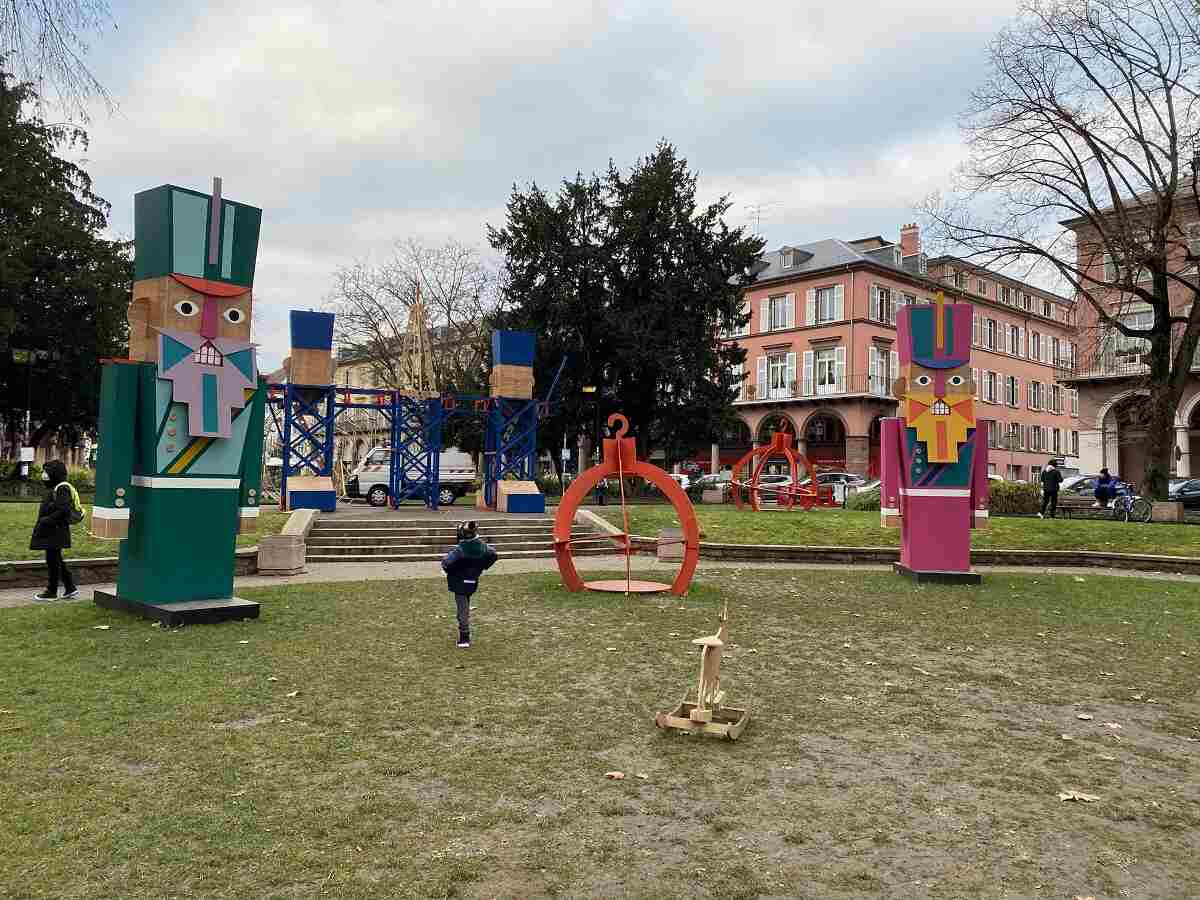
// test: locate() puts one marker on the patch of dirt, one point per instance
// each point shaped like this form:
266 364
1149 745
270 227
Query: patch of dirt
141 768
246 722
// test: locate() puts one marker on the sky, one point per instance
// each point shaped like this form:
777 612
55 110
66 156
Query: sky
356 125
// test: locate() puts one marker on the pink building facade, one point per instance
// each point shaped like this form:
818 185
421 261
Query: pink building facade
822 356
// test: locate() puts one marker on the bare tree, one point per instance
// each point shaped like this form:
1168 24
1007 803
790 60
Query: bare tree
1089 119
45 41
372 303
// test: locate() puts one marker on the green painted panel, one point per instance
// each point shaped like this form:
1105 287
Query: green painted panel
146 425
173 351
171 445
180 546
230 213
189 233
208 388
118 412
243 360
224 455
245 245
252 458
152 233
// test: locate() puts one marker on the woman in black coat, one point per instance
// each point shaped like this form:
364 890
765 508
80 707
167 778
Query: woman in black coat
52 532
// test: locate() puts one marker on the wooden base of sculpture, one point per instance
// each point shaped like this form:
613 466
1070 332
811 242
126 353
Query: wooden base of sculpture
703 711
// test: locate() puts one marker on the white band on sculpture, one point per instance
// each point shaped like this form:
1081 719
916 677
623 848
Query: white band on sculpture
936 492
889 512
185 482
248 512
107 512
981 513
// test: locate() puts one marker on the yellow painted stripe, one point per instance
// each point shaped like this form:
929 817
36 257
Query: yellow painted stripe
188 456
940 315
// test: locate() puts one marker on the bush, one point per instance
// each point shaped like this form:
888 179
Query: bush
549 485
864 501
1014 498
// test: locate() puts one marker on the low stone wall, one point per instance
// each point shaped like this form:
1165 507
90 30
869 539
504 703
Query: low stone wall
101 570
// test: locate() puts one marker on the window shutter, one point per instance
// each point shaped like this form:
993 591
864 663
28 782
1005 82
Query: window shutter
893 371
839 358
839 304
1029 395
790 303
761 383
975 378
1021 349
791 375
1017 394
764 315
808 371
810 304
974 330
1046 351
874 362
876 313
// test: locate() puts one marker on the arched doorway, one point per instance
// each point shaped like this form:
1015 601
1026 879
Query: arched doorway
1124 439
825 441
767 429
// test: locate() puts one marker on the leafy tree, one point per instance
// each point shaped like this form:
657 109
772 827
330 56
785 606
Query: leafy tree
631 281
1090 115
64 289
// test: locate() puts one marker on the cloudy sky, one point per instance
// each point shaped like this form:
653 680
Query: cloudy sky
357 124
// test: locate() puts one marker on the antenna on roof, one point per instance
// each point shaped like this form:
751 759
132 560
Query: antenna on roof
757 209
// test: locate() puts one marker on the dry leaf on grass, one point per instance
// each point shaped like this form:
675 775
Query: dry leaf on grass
1115 726
610 649
615 776
1107 674
1079 796
292 694
1084 717
243 642
1108 758
1067 737
922 671
1077 578
643 776
101 627
272 678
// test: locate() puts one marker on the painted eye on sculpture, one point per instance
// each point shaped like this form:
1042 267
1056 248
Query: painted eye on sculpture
955 381
186 308
924 380
234 316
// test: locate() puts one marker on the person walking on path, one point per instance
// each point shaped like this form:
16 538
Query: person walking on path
52 531
1051 479
463 565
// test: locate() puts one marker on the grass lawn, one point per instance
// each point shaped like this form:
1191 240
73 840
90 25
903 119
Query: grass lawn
846 528
907 742
16 525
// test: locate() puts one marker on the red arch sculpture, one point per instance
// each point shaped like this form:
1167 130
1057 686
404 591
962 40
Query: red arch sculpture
619 460
781 445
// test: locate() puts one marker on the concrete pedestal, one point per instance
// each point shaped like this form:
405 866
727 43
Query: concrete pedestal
281 554
670 544
1166 511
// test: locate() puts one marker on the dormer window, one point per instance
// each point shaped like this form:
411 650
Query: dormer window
787 258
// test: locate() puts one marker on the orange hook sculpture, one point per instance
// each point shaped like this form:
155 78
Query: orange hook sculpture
781 445
619 459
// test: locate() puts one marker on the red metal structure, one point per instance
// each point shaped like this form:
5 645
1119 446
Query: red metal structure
807 496
619 461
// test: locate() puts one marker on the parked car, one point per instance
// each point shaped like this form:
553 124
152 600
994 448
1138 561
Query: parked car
456 476
1085 486
682 480
992 476
1185 491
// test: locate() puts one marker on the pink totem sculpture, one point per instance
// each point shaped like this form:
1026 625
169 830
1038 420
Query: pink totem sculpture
934 458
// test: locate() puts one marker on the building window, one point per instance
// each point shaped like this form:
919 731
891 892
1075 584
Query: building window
989 387
778 311
991 468
1056 441
1006 294
1036 395
1014 340
1056 399
989 333
1035 439
883 370
1015 435
883 307
827 305
1035 345
1047 309
1012 396
789 258
1027 302
981 287
1074 443
1056 352
1075 402
781 376
825 362
1014 473
1035 472
909 300
960 280
993 433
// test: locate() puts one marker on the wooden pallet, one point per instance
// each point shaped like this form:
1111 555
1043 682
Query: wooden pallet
721 721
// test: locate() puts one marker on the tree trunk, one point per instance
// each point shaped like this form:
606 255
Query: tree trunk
1158 417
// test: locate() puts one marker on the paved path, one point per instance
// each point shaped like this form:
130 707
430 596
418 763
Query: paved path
384 571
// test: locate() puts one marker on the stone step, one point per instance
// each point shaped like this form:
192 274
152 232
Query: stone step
449 533
435 557
375 548
383 522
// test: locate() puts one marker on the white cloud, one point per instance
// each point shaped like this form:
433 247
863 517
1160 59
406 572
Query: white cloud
357 124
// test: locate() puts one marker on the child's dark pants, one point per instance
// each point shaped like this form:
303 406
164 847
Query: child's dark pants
463 602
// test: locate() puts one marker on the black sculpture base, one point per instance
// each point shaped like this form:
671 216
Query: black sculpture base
938 577
187 612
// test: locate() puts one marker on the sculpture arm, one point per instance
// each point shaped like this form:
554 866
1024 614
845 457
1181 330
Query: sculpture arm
979 476
249 494
119 384
891 462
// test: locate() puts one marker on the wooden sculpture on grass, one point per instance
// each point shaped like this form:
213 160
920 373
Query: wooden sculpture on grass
181 420
703 710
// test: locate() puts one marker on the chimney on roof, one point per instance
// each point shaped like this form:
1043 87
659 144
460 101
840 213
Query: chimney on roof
910 239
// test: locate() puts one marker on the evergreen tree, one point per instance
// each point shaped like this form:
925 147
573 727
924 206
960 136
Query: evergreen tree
64 289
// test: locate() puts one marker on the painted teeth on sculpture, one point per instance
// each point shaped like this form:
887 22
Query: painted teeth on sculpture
940 408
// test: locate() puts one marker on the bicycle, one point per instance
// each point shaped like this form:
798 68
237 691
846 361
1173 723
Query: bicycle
1131 508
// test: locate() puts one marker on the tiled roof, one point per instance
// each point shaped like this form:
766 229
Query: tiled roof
824 255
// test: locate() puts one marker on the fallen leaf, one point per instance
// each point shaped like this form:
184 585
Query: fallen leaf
292 694
1081 580
1115 726
1138 696
1084 717
673 634
846 646
1078 796
101 627
615 776
610 649
751 650
643 776
1108 758
1067 737
1107 674
1041 634
922 671
243 642
272 678
870 663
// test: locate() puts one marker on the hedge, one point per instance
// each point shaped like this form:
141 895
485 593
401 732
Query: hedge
1011 498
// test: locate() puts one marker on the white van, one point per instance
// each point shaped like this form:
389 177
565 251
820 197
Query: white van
456 476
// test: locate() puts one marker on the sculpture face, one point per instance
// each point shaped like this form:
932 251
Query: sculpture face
935 387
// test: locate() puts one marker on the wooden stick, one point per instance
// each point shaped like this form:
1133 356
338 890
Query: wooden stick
624 515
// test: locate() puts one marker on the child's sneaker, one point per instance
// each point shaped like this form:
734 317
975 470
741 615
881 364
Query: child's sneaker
464 644
44 597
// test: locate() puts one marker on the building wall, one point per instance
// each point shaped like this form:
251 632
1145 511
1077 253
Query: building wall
864 339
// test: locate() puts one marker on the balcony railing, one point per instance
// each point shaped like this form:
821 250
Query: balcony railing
1121 362
856 385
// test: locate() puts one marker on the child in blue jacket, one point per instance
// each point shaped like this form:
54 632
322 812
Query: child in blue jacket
463 565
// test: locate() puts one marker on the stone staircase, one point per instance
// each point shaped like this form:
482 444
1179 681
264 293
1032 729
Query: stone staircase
415 540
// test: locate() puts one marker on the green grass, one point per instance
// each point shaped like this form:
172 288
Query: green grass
846 528
16 526
906 742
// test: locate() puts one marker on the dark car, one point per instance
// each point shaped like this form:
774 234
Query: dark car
1185 491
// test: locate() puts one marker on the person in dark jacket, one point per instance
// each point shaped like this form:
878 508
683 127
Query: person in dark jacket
1051 479
463 565
1105 489
52 532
